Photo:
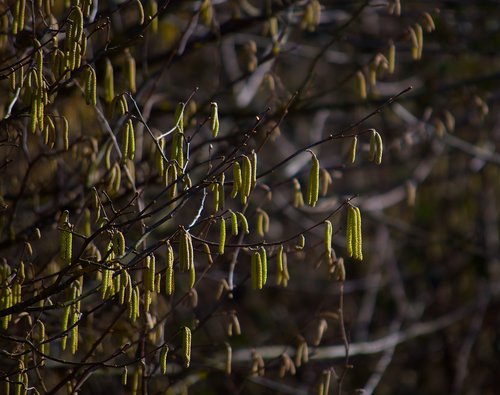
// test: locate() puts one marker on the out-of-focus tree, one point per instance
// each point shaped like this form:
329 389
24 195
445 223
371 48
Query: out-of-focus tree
244 196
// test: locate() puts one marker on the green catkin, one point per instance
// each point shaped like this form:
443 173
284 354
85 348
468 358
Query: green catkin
73 332
279 259
244 223
124 376
90 86
349 239
246 179
352 149
313 182
186 346
214 119
215 198
256 271
361 84
327 239
222 235
131 140
109 86
263 261
169 272
125 141
229 356
192 276
163 359
220 187
358 247
151 265
234 223
118 243
65 238
236 180
64 326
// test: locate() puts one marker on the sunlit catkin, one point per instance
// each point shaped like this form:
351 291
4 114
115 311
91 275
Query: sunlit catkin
244 223
169 271
222 235
246 179
352 149
214 119
186 346
313 181
256 271
163 359
263 263
234 223
391 57
236 180
327 239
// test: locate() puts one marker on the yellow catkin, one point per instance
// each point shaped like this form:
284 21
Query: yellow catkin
327 239
236 180
222 235
186 346
90 86
246 179
256 271
109 85
263 263
358 246
371 155
361 84
163 359
349 239
352 149
169 272
214 119
131 140
279 259
234 223
66 239
215 197
118 243
124 376
313 182
414 43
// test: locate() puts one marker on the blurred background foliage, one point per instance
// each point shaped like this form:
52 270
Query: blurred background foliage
419 314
